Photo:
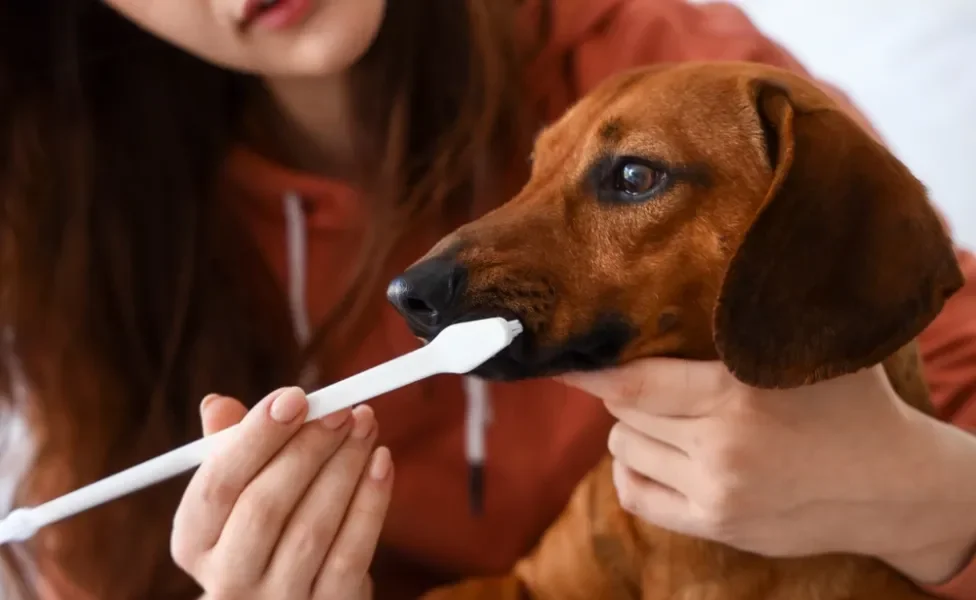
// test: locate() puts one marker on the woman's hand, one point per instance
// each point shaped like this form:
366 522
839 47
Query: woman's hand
284 510
841 466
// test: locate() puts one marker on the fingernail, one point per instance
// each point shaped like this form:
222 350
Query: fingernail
336 419
379 468
286 407
364 421
207 401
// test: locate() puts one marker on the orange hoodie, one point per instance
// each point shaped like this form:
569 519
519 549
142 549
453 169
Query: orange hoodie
541 437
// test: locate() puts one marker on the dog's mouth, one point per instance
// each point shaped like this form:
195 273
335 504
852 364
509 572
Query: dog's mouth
533 354
599 347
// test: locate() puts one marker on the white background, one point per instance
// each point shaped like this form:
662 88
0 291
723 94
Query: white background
910 67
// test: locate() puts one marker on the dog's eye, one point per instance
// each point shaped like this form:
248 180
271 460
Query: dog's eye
635 178
628 179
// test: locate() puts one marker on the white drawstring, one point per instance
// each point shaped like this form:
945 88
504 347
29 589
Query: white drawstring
297 263
296 238
477 398
476 419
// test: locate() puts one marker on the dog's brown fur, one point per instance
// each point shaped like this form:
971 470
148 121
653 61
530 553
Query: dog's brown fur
789 244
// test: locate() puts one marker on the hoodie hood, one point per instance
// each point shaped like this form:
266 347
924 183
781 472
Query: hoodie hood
563 26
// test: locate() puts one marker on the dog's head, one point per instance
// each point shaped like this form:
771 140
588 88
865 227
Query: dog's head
705 210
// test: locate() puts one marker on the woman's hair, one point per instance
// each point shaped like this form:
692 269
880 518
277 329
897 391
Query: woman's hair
126 294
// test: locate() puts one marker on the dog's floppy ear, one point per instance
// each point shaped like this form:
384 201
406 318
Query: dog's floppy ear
845 262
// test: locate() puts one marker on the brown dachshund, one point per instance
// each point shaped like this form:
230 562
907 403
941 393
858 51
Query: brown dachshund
706 211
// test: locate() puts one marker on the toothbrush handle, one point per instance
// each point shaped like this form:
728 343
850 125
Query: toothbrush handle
373 382
152 471
379 380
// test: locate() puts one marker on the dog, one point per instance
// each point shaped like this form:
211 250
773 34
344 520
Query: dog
711 210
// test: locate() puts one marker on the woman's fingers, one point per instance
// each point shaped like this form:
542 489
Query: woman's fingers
256 522
285 508
220 412
650 458
215 487
318 517
651 501
678 432
347 564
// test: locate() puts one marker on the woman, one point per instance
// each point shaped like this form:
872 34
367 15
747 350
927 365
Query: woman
208 196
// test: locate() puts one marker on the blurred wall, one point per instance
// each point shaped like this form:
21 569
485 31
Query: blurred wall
911 67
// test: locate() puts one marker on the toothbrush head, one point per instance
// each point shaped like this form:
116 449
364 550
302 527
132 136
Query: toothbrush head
465 346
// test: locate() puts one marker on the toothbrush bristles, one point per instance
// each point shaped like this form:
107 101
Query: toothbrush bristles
515 327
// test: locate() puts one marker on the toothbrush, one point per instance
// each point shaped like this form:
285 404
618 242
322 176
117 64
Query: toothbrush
458 349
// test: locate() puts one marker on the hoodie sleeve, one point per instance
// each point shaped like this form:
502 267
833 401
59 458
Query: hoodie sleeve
636 32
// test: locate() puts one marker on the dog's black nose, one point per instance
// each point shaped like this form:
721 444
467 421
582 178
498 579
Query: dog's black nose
427 293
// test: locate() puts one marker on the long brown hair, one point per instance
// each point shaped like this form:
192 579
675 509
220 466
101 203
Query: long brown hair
126 295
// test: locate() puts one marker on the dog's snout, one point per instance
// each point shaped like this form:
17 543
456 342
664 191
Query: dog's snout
427 293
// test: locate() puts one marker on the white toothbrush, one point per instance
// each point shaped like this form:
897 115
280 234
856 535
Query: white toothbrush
458 349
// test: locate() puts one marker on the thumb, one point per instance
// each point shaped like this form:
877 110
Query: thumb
660 386
220 412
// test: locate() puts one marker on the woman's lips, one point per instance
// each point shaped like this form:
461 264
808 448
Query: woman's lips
274 14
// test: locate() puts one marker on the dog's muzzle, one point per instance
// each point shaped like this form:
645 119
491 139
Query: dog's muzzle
435 293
